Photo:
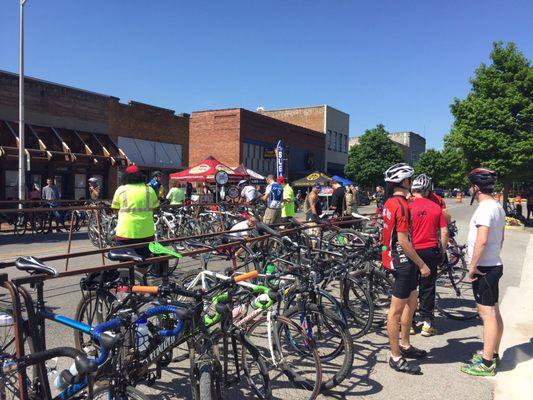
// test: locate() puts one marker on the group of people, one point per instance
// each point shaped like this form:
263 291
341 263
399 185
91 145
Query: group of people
414 242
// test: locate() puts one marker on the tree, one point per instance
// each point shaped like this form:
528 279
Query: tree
368 160
455 166
431 163
493 125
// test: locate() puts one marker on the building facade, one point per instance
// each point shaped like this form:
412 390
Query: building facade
333 123
236 136
411 145
73 134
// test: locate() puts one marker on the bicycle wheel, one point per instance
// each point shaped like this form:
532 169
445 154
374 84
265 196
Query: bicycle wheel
454 295
295 374
332 338
358 302
109 392
93 308
19 224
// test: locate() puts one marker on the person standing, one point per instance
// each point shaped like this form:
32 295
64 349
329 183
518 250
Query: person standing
428 224
135 203
248 192
34 193
348 199
50 191
312 205
518 204
485 240
157 184
287 206
273 197
176 195
94 189
337 199
399 256
380 199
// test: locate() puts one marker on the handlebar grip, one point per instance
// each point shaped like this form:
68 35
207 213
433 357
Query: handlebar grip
145 289
246 276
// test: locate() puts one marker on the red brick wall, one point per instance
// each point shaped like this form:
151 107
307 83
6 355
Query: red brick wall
308 117
217 134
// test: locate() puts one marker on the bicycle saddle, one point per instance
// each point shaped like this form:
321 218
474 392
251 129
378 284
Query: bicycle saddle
34 265
126 254
264 229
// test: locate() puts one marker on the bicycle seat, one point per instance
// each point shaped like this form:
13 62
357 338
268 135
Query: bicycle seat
264 229
126 254
34 265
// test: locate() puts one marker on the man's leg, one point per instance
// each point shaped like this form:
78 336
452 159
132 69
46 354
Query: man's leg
407 318
397 307
500 328
491 331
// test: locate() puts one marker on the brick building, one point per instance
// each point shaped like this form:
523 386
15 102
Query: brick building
72 134
236 136
333 123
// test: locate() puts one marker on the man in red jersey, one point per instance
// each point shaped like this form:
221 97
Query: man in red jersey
427 224
435 198
398 255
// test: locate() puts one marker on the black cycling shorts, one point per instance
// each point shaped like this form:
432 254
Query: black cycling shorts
486 291
405 280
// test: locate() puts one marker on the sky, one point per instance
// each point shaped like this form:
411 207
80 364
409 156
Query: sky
400 63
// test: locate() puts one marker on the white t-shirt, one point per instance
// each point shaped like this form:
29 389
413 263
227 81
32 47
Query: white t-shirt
248 193
238 226
489 213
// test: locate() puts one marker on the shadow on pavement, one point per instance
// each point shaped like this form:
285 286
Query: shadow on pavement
46 238
515 355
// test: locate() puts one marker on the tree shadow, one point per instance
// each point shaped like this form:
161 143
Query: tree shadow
515 355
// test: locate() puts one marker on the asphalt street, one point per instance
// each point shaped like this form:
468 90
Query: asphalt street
371 378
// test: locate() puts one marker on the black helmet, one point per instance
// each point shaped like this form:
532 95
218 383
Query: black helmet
157 174
484 178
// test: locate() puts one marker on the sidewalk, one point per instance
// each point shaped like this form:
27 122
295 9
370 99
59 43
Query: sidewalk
515 375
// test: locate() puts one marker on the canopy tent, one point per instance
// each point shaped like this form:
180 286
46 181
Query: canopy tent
205 172
241 169
340 179
311 179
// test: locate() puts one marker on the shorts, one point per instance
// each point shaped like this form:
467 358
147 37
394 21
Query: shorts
486 291
272 216
405 280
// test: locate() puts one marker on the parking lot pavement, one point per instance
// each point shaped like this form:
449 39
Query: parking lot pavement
371 378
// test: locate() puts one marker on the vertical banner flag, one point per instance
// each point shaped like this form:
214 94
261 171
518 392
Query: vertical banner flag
279 159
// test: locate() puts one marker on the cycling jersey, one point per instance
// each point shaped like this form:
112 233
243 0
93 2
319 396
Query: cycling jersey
426 219
395 219
275 195
435 198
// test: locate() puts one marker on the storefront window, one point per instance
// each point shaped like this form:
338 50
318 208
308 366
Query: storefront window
11 185
80 186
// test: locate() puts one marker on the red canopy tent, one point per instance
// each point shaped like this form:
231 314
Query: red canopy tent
205 172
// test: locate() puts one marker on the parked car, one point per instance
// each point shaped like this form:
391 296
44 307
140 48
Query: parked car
439 192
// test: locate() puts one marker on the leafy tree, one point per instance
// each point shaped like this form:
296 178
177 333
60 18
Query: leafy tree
493 125
371 157
454 166
431 163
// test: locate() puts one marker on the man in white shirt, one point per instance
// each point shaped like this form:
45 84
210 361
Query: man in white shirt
248 192
273 197
485 240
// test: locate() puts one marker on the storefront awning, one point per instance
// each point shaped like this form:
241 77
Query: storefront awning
50 143
151 154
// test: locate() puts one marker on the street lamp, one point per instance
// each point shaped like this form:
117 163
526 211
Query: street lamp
22 165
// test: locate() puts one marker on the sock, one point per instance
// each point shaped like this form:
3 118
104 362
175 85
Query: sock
487 363
404 347
395 359
496 355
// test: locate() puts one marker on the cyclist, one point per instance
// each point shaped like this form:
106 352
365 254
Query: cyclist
176 195
287 205
337 199
273 197
157 185
427 222
94 189
399 256
248 191
135 203
485 240
441 203
380 199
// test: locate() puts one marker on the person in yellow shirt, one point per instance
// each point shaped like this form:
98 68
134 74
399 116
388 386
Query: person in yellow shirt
135 203
176 195
287 204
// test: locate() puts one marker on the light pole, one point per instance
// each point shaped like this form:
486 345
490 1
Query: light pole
22 165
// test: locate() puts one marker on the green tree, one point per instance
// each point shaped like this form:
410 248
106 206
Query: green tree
371 157
455 166
431 163
493 125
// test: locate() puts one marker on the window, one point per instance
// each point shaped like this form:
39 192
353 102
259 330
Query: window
12 185
329 139
334 144
80 186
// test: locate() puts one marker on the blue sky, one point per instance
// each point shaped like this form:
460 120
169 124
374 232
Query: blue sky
399 63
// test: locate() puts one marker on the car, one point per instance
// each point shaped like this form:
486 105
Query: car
439 192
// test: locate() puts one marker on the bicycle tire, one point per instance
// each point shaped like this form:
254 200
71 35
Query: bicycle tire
304 376
106 393
361 317
336 329
449 298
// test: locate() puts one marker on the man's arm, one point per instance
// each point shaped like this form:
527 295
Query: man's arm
403 239
479 248
312 203
444 238
447 215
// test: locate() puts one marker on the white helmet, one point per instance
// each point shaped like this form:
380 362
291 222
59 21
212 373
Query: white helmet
93 180
421 183
399 172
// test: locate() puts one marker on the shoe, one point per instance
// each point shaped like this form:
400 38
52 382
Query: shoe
428 330
402 365
478 358
413 352
412 330
479 369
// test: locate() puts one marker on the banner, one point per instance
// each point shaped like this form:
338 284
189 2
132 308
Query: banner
279 159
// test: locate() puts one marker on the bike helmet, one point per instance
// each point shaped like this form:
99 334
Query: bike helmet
484 178
421 183
93 180
157 174
399 172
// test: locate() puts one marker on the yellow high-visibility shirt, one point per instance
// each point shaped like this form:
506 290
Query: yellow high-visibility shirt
135 203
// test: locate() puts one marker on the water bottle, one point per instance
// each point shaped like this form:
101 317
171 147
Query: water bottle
61 383
142 334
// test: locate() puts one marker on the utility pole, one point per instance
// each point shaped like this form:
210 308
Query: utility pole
22 165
